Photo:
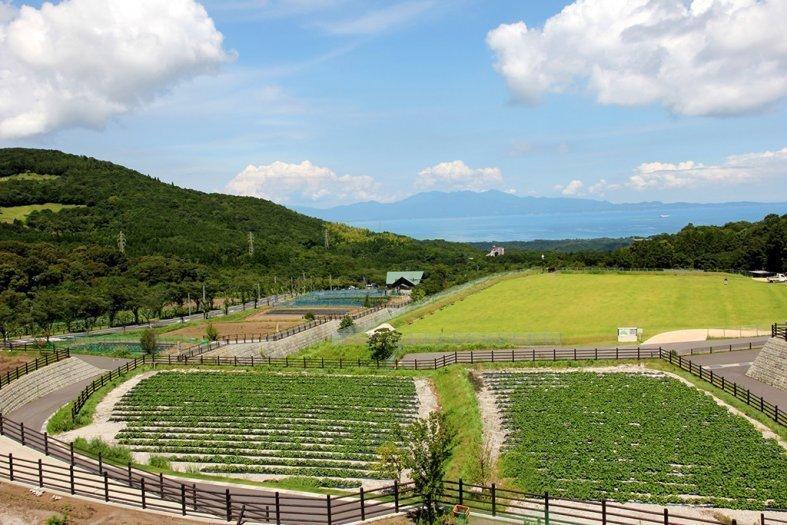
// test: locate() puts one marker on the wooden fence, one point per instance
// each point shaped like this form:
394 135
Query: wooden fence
31 366
99 479
779 330
778 415
95 478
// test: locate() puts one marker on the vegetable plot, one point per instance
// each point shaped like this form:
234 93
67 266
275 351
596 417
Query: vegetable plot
323 426
633 437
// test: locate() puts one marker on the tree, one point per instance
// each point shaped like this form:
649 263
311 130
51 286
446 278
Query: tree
417 294
383 343
391 459
430 443
10 302
346 322
211 333
309 316
148 343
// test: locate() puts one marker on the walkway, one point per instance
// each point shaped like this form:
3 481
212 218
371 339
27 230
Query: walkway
682 348
732 366
37 412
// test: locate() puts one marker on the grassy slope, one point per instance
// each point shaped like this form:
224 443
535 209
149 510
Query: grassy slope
589 307
12 213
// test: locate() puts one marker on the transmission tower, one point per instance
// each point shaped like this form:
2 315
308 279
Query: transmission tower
250 238
121 242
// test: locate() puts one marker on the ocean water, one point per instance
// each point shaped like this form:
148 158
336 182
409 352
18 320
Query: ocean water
622 223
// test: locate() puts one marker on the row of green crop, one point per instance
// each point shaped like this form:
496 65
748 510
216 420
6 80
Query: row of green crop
268 423
633 437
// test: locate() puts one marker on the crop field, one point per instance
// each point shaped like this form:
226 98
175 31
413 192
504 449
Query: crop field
588 308
328 427
632 437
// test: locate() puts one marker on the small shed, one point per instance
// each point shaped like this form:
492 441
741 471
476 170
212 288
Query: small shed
403 280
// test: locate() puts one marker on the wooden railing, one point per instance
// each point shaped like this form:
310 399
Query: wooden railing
31 366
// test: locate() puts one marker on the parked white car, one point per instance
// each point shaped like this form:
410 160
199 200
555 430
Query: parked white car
778 278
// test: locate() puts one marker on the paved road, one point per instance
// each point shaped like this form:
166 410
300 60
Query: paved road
36 412
733 367
265 301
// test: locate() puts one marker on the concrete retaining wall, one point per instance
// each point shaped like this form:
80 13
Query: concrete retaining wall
45 381
770 367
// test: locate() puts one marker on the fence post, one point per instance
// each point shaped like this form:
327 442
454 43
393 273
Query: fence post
40 473
71 452
604 511
494 500
183 498
130 484
278 510
666 516
100 464
106 486
396 496
461 492
22 433
546 508
142 488
363 506
228 500
2 432
10 467
71 477
161 484
328 508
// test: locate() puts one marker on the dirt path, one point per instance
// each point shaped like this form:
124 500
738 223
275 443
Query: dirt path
427 398
493 432
102 427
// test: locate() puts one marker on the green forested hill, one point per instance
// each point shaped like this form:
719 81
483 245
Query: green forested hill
175 240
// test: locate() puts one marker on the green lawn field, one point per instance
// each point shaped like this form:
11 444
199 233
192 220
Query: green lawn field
588 308
12 213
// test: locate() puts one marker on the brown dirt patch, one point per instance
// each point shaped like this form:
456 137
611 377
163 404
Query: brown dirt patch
240 328
19 506
10 362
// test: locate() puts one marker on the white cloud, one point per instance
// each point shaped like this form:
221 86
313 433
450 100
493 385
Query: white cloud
737 169
302 183
711 57
376 21
83 62
456 175
572 189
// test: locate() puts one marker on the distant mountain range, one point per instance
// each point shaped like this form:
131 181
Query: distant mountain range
461 204
496 216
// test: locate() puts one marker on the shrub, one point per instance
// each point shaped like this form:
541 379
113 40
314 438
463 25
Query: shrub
383 343
211 333
309 316
109 453
347 322
148 342
159 462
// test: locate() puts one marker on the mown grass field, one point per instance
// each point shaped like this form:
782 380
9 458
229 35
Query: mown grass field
12 213
588 308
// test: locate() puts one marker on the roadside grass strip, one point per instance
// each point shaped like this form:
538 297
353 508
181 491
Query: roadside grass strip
322 426
633 437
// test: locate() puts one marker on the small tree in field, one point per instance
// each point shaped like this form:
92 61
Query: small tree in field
430 443
211 333
148 343
309 316
346 322
383 343
391 461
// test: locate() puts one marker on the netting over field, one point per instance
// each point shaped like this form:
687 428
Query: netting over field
338 298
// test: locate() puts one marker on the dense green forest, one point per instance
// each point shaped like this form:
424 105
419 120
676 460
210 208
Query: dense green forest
129 247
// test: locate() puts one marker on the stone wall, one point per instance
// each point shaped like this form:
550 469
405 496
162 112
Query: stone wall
44 381
770 367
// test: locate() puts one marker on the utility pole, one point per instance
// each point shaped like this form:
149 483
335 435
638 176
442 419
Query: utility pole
204 302
250 238
327 240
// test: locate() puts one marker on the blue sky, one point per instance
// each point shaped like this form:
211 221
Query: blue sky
384 99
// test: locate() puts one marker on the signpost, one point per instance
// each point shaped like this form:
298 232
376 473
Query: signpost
628 335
